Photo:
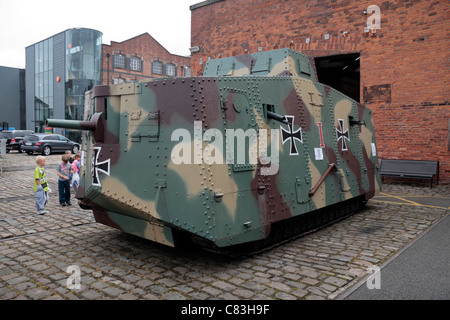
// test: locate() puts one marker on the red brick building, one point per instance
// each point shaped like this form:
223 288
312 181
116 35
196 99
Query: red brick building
392 56
140 58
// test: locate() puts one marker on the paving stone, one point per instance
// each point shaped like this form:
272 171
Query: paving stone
183 288
37 293
327 287
127 296
112 291
310 281
91 295
335 281
212 291
224 285
54 297
308 273
151 296
23 286
299 293
173 296
144 283
284 296
280 286
17 280
39 267
243 293
100 285
157 289
168 282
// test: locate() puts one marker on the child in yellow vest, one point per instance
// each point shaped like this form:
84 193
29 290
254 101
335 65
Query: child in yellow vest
40 185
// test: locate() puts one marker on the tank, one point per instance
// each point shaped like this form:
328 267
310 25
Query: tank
252 153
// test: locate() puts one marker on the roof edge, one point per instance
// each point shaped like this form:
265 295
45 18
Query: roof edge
203 4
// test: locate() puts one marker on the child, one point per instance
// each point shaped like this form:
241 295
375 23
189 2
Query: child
76 171
64 171
69 153
40 185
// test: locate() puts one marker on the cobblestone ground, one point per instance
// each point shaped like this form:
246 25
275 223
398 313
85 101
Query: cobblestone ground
36 251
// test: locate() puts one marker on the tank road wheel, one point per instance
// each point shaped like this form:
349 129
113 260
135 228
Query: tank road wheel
46 151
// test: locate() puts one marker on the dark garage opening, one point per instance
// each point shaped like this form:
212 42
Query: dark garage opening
340 72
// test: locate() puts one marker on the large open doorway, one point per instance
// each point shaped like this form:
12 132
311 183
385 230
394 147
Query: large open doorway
340 72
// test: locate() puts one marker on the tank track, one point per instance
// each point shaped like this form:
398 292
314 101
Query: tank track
293 228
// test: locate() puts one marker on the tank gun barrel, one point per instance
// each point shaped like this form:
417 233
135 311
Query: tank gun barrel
277 117
95 125
70 124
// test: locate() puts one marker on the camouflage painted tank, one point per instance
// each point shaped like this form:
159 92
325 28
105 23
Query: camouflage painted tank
254 151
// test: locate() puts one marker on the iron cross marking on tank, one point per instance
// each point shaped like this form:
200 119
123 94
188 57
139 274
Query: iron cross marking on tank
291 135
342 135
98 167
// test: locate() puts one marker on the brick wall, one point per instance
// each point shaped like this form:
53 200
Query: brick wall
147 50
404 65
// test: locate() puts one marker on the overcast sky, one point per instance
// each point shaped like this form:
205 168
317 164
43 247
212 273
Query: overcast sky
25 22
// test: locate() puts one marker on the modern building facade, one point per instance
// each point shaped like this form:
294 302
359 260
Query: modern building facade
390 55
59 70
141 58
12 102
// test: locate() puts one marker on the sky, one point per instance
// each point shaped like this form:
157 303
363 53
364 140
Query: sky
26 22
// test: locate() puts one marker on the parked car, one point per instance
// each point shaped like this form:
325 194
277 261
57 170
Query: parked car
14 138
47 144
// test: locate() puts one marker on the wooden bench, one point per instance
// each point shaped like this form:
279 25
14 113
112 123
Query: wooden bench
411 169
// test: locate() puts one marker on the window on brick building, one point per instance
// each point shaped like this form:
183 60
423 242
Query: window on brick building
157 67
118 80
135 64
171 70
119 61
187 71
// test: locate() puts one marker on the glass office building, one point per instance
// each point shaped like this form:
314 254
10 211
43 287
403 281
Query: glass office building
59 70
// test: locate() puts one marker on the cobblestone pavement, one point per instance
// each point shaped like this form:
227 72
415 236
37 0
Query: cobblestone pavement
36 251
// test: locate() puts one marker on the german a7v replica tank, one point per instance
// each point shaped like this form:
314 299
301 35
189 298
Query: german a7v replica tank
254 152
